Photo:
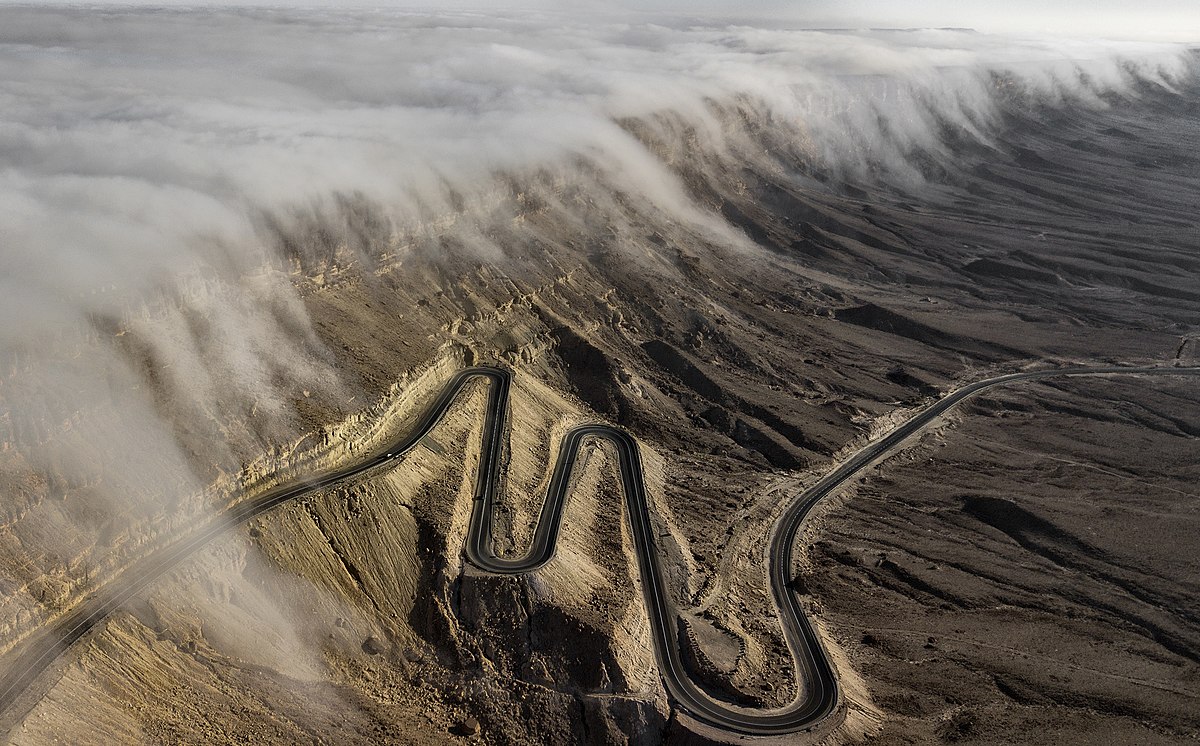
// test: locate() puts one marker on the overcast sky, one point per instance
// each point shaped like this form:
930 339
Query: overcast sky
1109 17
1174 20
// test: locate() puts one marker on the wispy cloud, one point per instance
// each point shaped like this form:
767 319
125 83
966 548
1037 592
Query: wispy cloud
146 155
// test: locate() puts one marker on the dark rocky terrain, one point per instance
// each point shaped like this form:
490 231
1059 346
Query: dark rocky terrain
1026 573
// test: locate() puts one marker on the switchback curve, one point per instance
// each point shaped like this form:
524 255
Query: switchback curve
817 690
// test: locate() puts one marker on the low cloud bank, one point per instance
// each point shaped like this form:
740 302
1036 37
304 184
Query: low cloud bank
150 161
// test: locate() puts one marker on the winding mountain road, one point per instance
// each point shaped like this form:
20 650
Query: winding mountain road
817 692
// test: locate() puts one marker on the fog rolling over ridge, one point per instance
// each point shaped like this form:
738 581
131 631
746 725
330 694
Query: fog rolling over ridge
170 179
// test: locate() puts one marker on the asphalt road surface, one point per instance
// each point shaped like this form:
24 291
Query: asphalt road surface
818 695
